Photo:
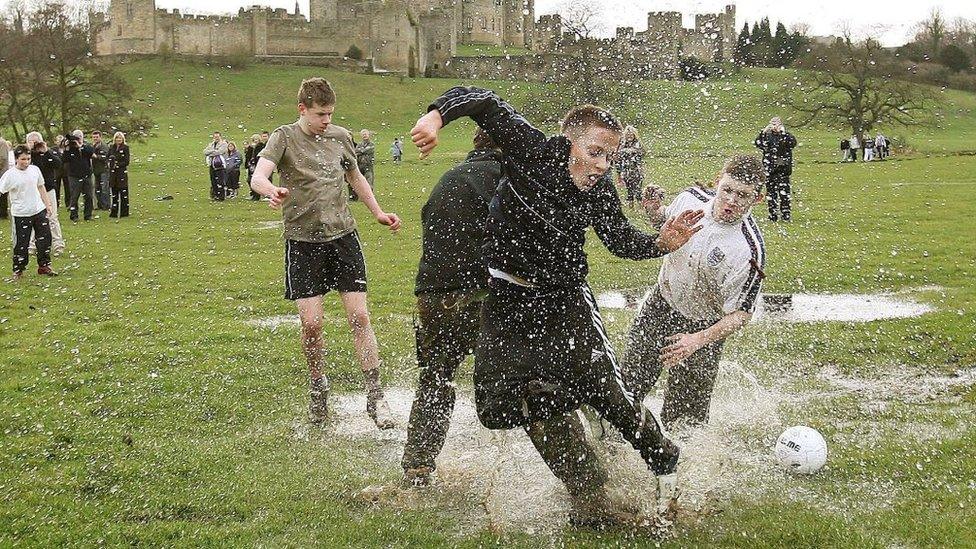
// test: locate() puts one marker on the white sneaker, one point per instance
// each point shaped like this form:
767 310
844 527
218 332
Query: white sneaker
667 493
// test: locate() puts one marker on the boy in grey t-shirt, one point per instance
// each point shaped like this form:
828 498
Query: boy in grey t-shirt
315 159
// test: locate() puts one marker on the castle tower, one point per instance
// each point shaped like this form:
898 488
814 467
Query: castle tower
729 30
322 12
132 27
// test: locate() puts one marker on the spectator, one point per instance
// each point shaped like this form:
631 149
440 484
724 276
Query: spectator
250 160
48 162
5 151
777 149
29 206
215 153
232 170
396 150
99 153
845 149
77 163
855 145
868 148
366 157
630 164
118 175
879 146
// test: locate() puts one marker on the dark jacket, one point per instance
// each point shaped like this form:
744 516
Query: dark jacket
77 160
48 162
99 155
248 156
254 154
538 217
777 150
117 163
454 225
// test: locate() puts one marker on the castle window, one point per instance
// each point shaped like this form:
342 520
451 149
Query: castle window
128 10
396 32
437 45
484 23
119 31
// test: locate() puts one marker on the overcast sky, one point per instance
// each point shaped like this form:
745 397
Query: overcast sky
891 20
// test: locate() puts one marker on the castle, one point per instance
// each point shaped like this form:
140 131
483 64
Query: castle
413 37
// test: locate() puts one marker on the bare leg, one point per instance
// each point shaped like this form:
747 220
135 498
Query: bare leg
310 314
367 352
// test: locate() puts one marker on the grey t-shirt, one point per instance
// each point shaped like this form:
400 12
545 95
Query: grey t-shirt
313 168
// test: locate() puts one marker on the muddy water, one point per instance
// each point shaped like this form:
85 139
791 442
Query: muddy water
796 308
496 479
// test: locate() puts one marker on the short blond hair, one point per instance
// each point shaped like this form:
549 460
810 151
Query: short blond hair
118 135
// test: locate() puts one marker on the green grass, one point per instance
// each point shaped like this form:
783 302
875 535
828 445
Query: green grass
138 408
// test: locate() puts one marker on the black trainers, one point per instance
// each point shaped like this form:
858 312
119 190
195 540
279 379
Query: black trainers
318 400
597 511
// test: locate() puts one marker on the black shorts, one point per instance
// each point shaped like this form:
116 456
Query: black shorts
315 268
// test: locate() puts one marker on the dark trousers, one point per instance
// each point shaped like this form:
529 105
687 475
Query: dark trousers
690 382
120 201
446 331
250 174
778 195
543 353
232 180
41 228
78 186
103 193
217 191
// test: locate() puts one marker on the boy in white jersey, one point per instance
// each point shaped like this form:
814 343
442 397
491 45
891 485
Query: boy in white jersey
706 290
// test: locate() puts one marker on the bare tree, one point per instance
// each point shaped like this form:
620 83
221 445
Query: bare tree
932 32
851 85
50 82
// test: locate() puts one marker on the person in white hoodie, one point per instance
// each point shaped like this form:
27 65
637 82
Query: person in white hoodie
855 145
30 208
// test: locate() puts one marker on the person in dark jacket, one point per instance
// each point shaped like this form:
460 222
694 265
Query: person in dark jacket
543 351
49 163
103 194
232 170
630 164
777 146
118 175
78 165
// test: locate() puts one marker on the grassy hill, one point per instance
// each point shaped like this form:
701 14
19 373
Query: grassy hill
139 408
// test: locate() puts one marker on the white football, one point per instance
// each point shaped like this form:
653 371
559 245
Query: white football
801 449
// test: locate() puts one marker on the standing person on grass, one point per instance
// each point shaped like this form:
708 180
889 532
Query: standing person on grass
118 175
543 350
315 160
630 164
30 208
47 161
396 150
5 150
215 154
77 163
103 195
366 157
251 160
232 170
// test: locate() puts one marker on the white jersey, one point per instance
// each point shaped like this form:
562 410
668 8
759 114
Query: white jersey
25 198
719 270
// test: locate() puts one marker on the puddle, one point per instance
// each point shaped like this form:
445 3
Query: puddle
496 479
274 322
796 308
269 225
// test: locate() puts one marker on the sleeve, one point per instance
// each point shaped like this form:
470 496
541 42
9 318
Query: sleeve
125 158
208 150
760 141
5 184
274 150
507 128
741 288
616 231
686 200
348 160
38 176
790 141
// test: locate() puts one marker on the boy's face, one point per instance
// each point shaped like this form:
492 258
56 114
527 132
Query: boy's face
22 161
734 199
590 155
317 117
264 137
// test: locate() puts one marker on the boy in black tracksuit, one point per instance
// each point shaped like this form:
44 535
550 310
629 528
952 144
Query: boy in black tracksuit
543 350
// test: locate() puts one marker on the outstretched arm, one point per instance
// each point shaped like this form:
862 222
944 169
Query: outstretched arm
623 239
507 128
684 345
